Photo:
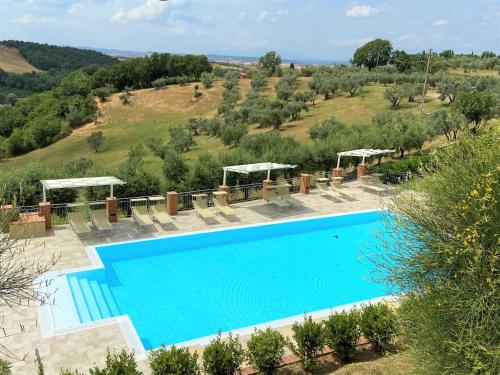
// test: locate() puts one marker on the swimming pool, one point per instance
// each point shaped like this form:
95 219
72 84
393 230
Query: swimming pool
180 288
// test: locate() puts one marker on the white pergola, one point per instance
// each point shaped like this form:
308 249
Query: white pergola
257 167
362 153
71 183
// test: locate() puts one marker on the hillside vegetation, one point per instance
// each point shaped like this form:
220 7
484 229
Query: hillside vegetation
11 61
151 113
46 56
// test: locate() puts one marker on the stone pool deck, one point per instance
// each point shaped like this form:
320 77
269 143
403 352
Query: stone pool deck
82 349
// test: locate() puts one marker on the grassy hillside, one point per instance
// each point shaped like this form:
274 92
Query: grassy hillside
152 112
11 61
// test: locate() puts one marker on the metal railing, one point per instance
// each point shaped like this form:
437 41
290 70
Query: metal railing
236 194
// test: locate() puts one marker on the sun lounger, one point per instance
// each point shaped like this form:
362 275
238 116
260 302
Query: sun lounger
274 197
140 213
157 206
373 183
201 207
101 222
342 191
221 205
79 224
325 190
284 193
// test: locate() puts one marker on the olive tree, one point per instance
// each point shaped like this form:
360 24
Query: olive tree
270 63
477 107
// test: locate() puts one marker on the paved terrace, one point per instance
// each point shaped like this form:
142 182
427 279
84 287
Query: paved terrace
81 350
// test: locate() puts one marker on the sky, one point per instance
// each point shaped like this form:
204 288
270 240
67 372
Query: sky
321 29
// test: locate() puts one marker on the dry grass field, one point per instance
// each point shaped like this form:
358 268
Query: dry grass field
11 61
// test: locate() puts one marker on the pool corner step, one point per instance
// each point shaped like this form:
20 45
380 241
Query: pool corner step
80 303
100 300
106 292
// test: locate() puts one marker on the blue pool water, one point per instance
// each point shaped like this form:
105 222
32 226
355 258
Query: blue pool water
181 288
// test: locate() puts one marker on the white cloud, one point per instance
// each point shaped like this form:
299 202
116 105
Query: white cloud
75 8
31 19
262 16
242 15
361 11
440 23
351 42
149 10
407 37
282 12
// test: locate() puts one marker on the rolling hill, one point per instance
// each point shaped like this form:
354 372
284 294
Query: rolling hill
151 113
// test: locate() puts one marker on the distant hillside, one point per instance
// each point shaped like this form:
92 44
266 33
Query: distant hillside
45 56
11 61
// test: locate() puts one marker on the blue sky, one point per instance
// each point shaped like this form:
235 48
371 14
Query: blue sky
318 29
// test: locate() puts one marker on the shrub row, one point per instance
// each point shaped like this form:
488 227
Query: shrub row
266 348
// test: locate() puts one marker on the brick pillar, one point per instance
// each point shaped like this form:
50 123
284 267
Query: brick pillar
362 170
305 183
265 188
172 203
46 212
112 209
337 172
226 189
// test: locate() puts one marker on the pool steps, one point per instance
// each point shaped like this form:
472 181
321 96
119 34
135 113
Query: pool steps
93 300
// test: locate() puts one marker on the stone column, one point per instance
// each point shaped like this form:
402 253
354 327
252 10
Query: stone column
305 183
46 212
337 172
226 189
362 170
112 209
265 189
172 203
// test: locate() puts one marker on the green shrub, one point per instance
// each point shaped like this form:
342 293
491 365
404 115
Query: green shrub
413 164
309 341
159 83
342 333
173 361
66 371
102 93
265 350
223 357
378 324
4 367
122 363
207 79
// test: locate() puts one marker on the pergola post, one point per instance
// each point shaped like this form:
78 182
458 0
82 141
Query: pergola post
111 191
44 194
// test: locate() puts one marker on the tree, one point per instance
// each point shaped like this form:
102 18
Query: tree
412 133
293 109
394 95
292 65
477 107
270 63
441 122
207 79
374 53
102 93
350 84
449 88
11 99
95 140
180 139
326 128
231 134
258 80
272 118
402 61
440 251
175 169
